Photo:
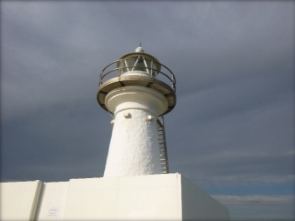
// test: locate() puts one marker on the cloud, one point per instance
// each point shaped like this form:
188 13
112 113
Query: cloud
253 207
227 199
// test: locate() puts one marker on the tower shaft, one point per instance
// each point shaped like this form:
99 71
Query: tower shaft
134 146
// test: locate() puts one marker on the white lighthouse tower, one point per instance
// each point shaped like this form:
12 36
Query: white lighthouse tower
136 98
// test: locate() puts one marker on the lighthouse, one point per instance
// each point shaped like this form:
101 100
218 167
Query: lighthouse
130 89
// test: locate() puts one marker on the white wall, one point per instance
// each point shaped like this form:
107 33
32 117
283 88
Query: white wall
150 197
153 197
19 200
52 201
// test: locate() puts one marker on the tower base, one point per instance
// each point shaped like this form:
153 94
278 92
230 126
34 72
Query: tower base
152 197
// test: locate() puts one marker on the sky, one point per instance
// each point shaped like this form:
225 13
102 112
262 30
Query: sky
232 130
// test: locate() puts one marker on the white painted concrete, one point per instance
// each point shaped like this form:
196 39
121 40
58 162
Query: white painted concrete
92 199
134 147
151 197
19 200
52 201
154 197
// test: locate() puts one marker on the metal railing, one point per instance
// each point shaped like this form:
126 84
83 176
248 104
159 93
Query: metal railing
105 72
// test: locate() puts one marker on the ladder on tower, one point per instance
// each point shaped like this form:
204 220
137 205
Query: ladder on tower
162 145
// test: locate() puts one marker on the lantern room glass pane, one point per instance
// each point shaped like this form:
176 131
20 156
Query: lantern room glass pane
139 64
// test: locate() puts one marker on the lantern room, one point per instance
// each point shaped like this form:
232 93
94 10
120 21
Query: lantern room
138 63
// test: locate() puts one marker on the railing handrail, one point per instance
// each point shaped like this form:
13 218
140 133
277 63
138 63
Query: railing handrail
104 74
